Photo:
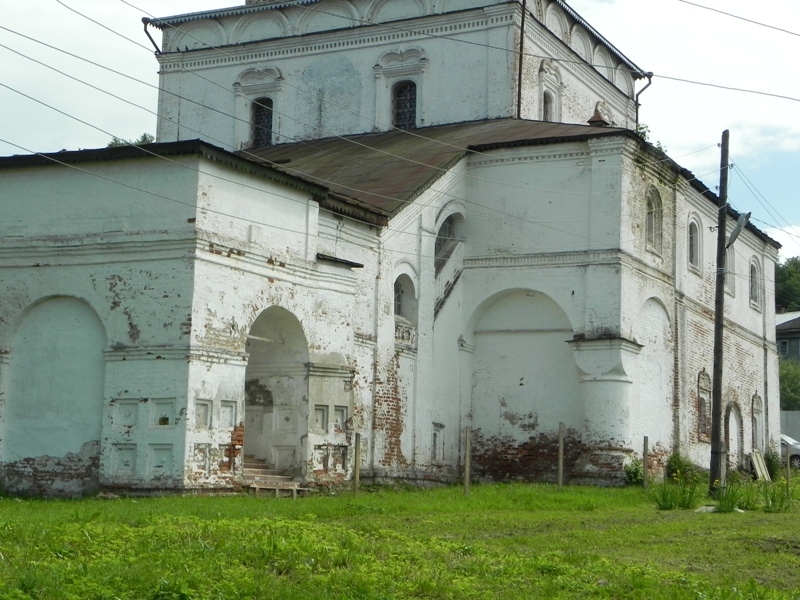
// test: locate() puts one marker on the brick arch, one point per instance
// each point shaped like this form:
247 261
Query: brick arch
734 434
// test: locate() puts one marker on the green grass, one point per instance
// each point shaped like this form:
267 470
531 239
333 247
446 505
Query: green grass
504 541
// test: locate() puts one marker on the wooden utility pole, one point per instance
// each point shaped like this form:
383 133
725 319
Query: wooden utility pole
716 474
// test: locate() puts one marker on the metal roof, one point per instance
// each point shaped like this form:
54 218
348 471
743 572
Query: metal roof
233 11
388 170
792 326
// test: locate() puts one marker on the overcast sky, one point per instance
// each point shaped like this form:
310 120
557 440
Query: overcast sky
671 38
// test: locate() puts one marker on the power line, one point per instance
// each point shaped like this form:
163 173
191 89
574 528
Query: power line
500 183
503 49
305 142
722 12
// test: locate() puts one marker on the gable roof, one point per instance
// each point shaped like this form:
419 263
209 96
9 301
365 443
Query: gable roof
788 327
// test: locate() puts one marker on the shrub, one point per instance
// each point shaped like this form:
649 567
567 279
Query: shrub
634 471
680 467
772 459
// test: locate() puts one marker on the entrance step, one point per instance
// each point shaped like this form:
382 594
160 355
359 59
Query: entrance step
258 476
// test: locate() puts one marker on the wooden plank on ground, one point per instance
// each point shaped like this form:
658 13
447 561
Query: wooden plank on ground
760 466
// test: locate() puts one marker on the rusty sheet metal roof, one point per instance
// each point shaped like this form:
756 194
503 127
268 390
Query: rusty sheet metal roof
385 171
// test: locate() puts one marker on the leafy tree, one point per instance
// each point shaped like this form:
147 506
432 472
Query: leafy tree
790 384
787 285
145 138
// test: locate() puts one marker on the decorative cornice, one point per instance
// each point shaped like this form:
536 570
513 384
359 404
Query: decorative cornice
328 370
126 353
483 162
108 248
442 25
590 257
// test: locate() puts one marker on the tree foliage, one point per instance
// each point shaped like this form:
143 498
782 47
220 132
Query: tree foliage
790 384
145 138
787 285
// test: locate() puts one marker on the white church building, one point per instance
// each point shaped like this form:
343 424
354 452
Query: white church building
376 217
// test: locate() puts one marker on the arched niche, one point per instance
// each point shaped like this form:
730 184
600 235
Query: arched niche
524 381
734 435
602 62
336 15
556 22
276 390
579 42
653 376
263 26
55 399
197 37
384 11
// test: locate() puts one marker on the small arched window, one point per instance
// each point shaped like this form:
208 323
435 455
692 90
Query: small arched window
261 122
694 245
404 105
755 285
547 106
654 220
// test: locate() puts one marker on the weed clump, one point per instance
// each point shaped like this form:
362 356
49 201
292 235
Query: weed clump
773 462
634 471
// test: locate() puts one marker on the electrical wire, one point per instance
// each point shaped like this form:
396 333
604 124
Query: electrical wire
510 51
722 12
494 182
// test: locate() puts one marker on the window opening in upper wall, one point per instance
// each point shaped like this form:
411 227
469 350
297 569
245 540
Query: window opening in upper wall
446 242
262 122
404 105
654 220
547 107
755 287
694 245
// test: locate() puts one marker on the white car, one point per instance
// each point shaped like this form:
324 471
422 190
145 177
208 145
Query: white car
791 447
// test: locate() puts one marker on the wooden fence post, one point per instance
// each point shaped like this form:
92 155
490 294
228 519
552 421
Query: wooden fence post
357 469
645 453
560 455
467 459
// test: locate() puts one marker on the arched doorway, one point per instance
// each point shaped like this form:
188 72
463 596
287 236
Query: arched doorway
276 391
54 410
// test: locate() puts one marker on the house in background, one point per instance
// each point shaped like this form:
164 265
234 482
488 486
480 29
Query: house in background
327 240
787 335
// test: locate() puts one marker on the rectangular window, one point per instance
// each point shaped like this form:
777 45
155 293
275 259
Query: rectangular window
783 347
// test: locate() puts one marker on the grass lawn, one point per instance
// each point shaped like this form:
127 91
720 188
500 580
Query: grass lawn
503 541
